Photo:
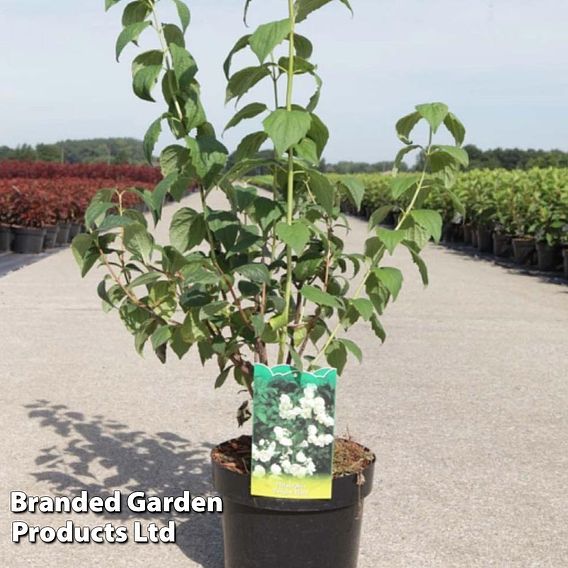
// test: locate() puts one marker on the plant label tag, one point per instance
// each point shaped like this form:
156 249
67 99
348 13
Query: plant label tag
293 433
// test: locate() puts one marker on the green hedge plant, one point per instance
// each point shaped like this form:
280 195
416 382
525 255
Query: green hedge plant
268 278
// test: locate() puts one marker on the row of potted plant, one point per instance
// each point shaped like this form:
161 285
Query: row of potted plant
517 214
11 169
38 214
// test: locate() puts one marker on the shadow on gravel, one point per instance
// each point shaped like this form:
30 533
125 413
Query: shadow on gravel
10 262
474 255
100 455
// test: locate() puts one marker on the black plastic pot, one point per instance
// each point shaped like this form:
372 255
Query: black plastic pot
484 239
279 533
5 238
74 230
63 234
502 245
28 240
565 256
50 237
467 234
523 251
474 237
549 258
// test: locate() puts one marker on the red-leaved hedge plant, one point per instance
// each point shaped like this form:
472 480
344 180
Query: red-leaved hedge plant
266 279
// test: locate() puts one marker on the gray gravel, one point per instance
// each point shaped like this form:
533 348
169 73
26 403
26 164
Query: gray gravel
466 407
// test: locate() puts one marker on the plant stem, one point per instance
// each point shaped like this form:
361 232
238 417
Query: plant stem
290 192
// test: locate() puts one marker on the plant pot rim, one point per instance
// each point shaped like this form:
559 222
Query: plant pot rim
348 490
524 239
23 228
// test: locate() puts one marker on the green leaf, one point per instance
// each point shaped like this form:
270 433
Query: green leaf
187 229
173 35
239 46
151 138
244 80
287 128
179 346
250 145
161 336
134 13
336 355
458 155
372 246
378 328
323 190
138 241
223 377
304 47
429 220
267 37
417 259
305 7
145 279
85 254
391 278
307 150
353 348
295 236
364 307
355 190
183 13
96 212
146 69
129 34
391 239
320 297
249 111
379 216
406 125
255 273
173 159
434 113
185 68
110 3
319 133
402 183
455 128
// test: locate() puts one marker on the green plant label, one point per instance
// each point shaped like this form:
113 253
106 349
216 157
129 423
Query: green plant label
293 432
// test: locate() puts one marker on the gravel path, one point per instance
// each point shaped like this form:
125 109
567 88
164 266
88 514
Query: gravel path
466 406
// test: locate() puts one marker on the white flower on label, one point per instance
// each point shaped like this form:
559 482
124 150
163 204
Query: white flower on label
286 442
301 457
310 466
286 465
279 431
312 430
298 471
275 469
262 443
328 439
310 391
259 471
304 444
266 454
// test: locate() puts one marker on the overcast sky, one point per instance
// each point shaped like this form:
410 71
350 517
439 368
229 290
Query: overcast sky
501 66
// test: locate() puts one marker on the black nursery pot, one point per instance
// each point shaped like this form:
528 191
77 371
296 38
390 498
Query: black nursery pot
484 239
523 250
549 258
5 238
74 230
50 237
565 257
28 240
502 245
63 234
277 533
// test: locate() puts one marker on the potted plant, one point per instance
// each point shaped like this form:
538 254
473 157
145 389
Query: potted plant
265 280
5 221
551 224
31 214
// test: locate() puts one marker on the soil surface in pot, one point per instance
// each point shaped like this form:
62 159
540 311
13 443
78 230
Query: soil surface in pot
350 458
